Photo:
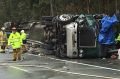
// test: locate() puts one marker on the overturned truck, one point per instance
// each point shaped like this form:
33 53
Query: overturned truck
72 35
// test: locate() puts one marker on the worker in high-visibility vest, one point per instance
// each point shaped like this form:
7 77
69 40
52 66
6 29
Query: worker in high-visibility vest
16 42
24 37
118 41
3 39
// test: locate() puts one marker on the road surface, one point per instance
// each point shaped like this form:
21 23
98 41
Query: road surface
50 67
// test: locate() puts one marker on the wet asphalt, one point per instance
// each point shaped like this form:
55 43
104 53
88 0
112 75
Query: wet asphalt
50 67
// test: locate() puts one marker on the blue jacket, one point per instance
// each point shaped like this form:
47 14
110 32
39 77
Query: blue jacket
106 34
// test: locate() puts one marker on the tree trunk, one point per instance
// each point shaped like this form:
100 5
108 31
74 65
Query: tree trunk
88 6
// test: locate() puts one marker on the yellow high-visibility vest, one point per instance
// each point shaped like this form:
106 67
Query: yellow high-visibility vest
3 36
118 38
15 40
23 36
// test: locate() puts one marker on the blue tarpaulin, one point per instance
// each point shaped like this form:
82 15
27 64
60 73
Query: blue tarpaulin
106 34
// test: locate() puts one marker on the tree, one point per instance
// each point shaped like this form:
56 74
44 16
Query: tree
32 10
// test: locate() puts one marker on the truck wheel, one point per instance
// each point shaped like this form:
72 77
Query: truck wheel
64 19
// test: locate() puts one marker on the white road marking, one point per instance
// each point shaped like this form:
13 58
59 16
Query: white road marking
27 65
62 71
74 73
101 67
56 70
20 69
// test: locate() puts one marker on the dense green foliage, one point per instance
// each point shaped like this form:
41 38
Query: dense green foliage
32 10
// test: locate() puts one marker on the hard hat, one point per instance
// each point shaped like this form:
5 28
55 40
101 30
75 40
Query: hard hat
22 31
13 28
3 28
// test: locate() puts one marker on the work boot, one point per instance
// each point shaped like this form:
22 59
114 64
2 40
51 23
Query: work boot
19 58
14 59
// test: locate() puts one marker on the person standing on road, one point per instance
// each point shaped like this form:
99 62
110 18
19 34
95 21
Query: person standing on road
16 42
23 37
3 39
106 36
117 40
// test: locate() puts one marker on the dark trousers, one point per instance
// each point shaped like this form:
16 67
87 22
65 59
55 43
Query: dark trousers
104 50
118 45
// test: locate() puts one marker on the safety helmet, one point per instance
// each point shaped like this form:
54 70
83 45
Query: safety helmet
22 31
3 28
